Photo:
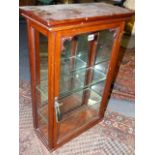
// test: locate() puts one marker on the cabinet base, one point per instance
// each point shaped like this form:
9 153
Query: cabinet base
76 134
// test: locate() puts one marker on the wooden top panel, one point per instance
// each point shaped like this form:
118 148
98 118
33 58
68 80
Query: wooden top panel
57 14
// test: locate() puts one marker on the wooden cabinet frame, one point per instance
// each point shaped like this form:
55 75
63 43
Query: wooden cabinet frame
54 35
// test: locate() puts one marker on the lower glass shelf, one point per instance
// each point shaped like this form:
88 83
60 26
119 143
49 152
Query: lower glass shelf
77 80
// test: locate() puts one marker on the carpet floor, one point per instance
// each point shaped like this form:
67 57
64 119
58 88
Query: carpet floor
124 84
114 135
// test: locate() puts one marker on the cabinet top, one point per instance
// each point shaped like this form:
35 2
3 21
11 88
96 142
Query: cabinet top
52 15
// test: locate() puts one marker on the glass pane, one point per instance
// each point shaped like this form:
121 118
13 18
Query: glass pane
98 88
71 64
66 48
102 67
82 47
41 87
83 70
75 80
104 45
72 112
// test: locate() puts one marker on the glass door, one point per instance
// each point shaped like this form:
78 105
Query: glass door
83 70
42 83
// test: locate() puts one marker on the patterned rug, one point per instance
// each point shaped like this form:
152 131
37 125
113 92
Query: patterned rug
113 136
124 85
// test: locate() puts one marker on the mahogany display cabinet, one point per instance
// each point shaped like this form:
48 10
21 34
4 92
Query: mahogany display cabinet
73 51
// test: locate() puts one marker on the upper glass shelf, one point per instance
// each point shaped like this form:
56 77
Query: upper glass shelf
71 64
67 64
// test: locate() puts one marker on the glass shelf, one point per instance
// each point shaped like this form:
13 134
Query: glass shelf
71 64
76 80
72 82
67 64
